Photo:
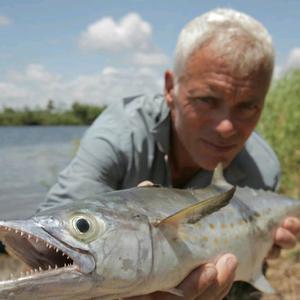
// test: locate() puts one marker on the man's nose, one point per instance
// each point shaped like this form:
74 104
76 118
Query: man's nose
225 128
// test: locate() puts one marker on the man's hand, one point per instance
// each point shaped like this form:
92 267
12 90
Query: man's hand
145 183
208 282
285 236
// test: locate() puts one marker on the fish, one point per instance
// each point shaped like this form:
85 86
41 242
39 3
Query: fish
141 240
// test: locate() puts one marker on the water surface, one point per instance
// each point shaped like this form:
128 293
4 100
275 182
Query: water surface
30 160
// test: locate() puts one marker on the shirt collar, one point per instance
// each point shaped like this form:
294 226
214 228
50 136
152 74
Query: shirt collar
234 173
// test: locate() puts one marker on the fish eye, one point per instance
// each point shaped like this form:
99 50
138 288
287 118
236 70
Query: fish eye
85 227
82 225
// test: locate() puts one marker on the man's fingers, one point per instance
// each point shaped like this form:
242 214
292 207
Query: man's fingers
226 267
194 284
208 282
145 183
284 238
292 224
198 281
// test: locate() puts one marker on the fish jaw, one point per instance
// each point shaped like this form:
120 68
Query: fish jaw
54 266
109 266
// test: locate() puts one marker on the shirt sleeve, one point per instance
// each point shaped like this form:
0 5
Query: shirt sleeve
258 164
99 165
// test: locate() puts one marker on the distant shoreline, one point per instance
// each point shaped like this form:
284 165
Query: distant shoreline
78 115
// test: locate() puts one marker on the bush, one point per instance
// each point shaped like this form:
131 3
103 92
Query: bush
280 125
79 114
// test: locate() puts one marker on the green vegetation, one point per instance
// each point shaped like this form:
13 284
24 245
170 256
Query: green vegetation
280 125
78 114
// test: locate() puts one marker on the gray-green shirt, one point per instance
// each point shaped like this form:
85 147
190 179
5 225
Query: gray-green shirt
129 143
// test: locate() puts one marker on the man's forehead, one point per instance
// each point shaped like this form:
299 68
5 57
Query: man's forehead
211 59
216 76
245 94
221 85
217 82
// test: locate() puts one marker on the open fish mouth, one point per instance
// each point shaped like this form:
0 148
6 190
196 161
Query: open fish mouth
41 252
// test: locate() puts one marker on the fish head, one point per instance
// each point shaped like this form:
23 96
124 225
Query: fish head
77 252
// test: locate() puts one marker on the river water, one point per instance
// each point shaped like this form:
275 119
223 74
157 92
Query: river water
30 160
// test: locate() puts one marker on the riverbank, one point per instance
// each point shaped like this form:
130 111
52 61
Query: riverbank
78 114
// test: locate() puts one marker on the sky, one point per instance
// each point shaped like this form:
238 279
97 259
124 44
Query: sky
99 51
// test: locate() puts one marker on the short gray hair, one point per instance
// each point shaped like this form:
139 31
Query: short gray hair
242 39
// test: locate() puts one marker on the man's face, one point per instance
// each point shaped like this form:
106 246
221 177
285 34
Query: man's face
214 111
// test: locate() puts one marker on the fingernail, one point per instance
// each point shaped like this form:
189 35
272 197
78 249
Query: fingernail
292 223
231 263
289 222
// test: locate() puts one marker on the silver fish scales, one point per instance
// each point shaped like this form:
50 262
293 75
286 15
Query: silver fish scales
140 240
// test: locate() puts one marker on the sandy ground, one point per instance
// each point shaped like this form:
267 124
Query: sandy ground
283 274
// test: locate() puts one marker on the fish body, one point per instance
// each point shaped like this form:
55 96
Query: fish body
141 240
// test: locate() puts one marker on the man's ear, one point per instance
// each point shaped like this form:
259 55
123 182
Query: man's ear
169 88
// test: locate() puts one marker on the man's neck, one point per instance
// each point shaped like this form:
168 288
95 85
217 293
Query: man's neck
182 167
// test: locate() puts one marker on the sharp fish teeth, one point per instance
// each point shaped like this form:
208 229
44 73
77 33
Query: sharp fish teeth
56 250
48 245
40 269
22 233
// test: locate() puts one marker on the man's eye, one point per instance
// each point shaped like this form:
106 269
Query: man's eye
248 110
207 100
249 106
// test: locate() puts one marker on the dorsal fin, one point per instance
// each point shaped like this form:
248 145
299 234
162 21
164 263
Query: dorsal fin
194 213
218 178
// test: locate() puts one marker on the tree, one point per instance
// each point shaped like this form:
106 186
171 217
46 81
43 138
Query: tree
50 106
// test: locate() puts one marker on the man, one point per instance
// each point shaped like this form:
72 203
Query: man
213 99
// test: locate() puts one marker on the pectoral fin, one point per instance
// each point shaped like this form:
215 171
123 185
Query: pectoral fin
194 213
218 178
262 284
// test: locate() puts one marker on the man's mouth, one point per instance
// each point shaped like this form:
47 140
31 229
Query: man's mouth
219 147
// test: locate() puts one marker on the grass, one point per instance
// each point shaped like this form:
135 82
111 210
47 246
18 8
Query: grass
280 125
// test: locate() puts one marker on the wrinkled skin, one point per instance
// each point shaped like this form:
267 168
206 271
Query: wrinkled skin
213 113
